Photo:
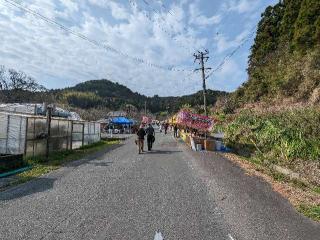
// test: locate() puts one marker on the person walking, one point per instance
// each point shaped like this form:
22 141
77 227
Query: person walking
175 131
166 125
141 133
150 136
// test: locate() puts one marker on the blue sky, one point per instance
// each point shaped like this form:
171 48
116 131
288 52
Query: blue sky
160 32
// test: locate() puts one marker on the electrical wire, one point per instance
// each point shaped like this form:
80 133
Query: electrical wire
92 41
229 56
135 5
171 26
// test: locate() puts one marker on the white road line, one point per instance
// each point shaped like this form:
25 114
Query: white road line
230 237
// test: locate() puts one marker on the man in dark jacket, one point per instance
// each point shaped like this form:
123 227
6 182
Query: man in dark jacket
166 125
175 131
141 133
150 136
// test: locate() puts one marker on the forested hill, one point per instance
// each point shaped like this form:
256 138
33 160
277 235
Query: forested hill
285 56
105 93
92 99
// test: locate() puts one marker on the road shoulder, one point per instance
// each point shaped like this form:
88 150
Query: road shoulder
57 161
249 203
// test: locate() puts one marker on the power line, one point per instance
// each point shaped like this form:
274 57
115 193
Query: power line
228 56
165 7
172 27
92 41
135 5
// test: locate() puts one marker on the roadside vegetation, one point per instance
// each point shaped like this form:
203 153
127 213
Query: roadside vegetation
312 212
272 120
284 61
288 139
41 165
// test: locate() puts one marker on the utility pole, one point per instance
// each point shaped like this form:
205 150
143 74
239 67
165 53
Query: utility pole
48 129
203 57
145 108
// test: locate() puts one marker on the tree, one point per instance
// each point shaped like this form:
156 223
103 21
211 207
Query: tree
16 85
307 25
3 81
268 35
14 80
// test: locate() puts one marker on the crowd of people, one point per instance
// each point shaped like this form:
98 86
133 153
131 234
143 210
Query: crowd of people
141 133
147 131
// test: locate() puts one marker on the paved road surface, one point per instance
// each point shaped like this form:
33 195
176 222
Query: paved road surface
121 195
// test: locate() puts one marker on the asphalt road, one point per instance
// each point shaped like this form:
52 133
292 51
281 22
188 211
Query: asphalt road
121 195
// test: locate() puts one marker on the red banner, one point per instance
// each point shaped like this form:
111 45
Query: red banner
195 121
146 120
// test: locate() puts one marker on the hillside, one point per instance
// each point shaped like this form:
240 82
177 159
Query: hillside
272 120
285 57
104 93
92 99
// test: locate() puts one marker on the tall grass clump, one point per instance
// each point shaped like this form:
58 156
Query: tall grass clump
286 138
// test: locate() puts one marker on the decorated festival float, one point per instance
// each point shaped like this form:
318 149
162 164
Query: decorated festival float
146 120
194 129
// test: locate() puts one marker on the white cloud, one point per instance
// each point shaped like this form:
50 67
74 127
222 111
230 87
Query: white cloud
224 43
242 6
58 59
197 18
117 11
229 77
70 5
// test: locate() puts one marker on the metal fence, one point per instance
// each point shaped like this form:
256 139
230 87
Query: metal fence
22 134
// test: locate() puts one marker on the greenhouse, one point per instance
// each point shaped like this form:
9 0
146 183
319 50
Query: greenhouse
28 134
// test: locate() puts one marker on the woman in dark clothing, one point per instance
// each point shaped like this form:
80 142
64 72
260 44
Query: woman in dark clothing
175 131
141 133
150 136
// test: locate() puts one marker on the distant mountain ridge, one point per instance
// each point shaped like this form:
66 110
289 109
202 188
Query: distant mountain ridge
105 93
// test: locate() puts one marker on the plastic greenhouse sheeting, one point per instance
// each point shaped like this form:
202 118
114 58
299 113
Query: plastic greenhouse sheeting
12 133
91 132
24 108
37 109
23 134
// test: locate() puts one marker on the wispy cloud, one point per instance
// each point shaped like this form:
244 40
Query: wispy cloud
198 18
242 6
58 59
117 10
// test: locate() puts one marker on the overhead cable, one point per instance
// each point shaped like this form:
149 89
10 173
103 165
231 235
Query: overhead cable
92 41
228 56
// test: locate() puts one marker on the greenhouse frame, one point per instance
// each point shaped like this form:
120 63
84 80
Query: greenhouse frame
27 134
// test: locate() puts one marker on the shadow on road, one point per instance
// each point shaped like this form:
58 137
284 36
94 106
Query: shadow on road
101 164
36 186
94 156
45 183
161 152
